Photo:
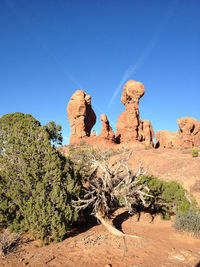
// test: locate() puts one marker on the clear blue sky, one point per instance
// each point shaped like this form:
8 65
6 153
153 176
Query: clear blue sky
51 48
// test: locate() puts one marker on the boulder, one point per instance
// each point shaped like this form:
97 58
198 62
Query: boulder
132 92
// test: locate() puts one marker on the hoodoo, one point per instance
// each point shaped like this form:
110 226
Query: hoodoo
130 128
81 116
106 131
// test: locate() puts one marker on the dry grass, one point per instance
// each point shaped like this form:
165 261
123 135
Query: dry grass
8 243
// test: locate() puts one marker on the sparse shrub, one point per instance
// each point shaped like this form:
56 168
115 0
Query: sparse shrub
111 182
195 152
148 147
37 183
188 221
71 148
81 161
168 197
8 242
81 157
164 197
111 152
82 143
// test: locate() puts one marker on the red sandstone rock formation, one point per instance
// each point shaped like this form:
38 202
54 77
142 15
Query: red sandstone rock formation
165 139
189 132
188 135
81 116
129 126
106 131
128 121
146 132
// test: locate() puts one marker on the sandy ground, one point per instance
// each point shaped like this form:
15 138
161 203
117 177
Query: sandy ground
159 245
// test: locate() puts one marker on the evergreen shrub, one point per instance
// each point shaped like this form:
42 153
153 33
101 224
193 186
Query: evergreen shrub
37 183
195 152
168 197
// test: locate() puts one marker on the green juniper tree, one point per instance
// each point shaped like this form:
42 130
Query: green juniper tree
36 181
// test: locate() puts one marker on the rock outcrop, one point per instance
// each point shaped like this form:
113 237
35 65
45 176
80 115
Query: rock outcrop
188 135
146 132
129 126
81 116
106 131
189 132
165 139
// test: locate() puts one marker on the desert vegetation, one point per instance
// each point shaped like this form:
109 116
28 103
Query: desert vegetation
44 192
188 221
36 181
8 242
195 152
113 184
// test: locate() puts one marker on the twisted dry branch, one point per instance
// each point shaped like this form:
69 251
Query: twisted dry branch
111 182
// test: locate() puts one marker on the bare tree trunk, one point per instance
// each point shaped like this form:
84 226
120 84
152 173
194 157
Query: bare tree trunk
110 227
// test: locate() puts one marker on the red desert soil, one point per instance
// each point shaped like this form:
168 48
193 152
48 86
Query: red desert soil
160 244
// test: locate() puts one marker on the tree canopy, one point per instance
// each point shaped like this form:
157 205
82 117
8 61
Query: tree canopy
36 181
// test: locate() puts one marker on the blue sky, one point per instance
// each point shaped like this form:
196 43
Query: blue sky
51 48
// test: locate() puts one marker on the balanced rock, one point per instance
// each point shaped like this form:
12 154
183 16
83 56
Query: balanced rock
106 131
81 116
130 128
132 92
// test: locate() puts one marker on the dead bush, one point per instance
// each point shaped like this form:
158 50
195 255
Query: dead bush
8 242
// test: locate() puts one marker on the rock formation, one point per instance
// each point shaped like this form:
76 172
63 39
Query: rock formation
106 131
189 132
81 116
146 132
129 126
188 135
165 139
